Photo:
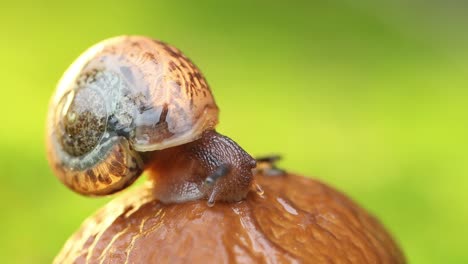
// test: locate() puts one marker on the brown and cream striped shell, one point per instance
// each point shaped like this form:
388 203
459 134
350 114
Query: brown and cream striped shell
121 97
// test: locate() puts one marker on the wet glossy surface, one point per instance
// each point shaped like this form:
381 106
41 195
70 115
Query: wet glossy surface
296 220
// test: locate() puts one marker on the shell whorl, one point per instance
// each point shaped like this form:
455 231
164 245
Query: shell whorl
123 96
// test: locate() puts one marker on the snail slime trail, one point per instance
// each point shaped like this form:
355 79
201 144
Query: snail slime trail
130 104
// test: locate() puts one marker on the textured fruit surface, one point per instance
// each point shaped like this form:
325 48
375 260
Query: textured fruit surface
296 219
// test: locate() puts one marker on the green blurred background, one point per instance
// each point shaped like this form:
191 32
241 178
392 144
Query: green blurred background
368 96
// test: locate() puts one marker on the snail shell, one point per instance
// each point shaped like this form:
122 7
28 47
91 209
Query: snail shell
122 97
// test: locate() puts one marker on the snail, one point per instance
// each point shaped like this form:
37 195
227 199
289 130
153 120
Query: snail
132 104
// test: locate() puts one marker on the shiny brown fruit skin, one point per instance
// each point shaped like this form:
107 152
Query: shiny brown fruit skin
296 220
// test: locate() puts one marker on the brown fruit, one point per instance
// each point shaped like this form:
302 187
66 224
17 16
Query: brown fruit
296 220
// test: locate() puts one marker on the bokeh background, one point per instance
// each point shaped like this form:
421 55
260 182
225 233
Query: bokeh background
368 96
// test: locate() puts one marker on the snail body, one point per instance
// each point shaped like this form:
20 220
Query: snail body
131 104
